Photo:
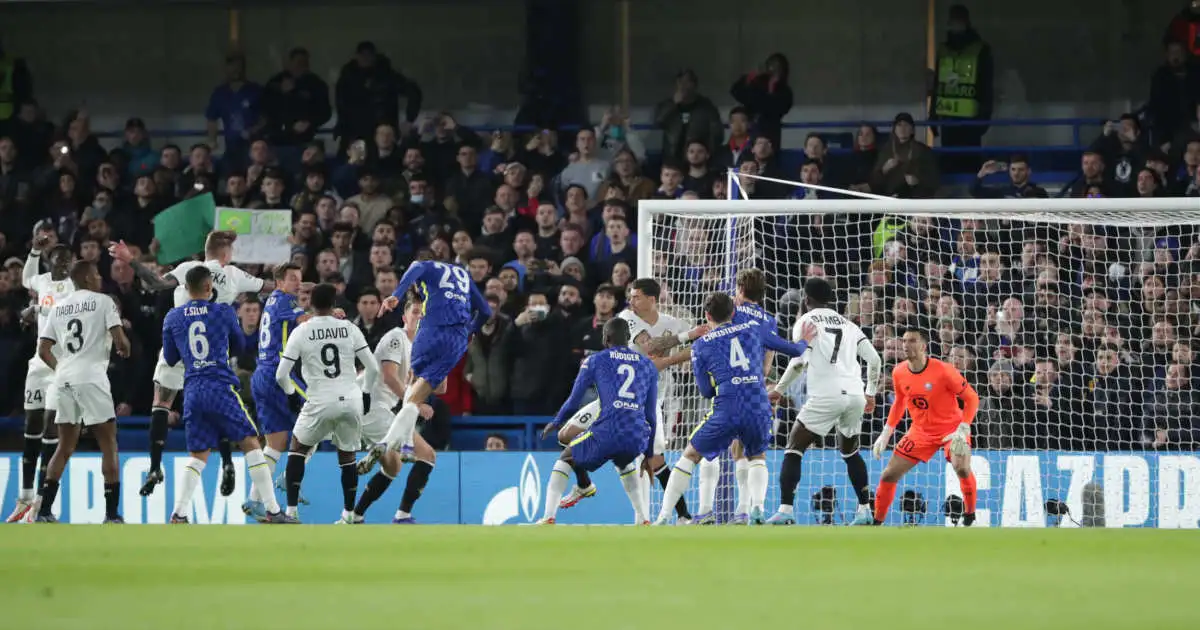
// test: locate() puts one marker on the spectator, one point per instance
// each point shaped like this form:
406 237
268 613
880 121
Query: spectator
469 190
19 88
540 354
368 321
687 116
372 204
388 159
588 169
499 154
236 105
541 153
616 135
441 142
295 102
905 167
1019 186
1094 176
495 234
350 214
627 179
1185 28
368 93
621 249
271 191
1173 414
1174 94
495 442
862 159
765 163
964 89
766 95
138 152
490 361
1115 402
1000 421
1124 151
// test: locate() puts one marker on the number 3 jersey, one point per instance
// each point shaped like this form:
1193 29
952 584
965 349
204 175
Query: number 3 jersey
78 325
324 347
833 354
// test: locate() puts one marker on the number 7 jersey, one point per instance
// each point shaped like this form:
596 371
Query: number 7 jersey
324 347
833 354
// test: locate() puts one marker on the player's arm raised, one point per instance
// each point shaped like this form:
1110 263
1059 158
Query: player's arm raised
406 281
895 414
664 344
583 381
150 279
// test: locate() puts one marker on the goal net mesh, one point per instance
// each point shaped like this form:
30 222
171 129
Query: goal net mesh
1075 327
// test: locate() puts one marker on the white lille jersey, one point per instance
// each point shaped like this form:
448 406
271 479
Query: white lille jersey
324 347
79 326
394 347
833 353
666 325
39 377
228 282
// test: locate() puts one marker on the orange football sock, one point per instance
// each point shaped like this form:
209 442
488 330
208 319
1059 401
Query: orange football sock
884 495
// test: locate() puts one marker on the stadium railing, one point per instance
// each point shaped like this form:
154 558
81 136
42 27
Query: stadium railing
1051 163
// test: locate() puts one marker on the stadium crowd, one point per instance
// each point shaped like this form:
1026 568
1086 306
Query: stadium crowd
1076 336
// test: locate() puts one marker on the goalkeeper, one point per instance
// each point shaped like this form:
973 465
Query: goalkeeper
929 390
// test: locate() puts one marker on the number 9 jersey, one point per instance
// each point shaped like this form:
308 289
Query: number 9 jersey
325 347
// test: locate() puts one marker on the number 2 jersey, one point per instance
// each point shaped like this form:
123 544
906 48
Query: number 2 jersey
627 383
324 347
78 325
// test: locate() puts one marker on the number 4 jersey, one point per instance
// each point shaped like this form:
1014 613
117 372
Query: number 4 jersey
324 347
833 354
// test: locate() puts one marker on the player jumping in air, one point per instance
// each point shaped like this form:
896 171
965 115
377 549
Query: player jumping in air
82 324
326 347
198 334
836 398
450 298
228 282
41 432
281 315
394 353
929 390
627 382
727 363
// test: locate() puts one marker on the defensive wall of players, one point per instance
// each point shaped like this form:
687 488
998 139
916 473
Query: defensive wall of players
495 488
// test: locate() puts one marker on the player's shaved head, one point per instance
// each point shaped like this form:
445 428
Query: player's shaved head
616 333
323 297
818 292
198 282
752 284
719 307
85 275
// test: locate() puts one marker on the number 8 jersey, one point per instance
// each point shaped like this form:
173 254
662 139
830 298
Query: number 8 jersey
324 347
833 365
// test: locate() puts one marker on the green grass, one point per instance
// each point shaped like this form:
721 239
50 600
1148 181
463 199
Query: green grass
596 577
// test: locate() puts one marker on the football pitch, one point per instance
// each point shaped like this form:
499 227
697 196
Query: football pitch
596 577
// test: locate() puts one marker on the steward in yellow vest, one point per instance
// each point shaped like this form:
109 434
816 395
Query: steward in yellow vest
963 84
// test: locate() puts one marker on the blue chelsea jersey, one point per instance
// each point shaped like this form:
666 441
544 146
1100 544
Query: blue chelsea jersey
451 299
279 319
199 334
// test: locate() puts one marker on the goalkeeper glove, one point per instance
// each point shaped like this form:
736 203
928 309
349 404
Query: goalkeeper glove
881 442
958 440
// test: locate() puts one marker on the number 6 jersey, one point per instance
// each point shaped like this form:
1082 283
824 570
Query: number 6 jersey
324 347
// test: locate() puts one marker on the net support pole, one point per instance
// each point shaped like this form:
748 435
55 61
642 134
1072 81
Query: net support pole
645 233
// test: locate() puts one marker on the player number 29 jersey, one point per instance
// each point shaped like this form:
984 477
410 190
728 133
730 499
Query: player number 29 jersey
80 324
833 354
228 282
325 347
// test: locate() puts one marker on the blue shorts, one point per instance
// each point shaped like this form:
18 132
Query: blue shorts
593 449
270 403
212 412
720 429
436 350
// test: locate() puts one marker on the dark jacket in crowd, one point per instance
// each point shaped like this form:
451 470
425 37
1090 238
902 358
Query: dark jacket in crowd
291 99
367 97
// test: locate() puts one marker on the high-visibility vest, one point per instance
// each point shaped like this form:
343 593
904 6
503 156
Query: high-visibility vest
7 97
958 82
887 230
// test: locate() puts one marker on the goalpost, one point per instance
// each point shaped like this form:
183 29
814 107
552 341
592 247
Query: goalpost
1074 319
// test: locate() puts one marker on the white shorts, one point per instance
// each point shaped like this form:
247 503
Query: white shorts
822 414
39 381
589 412
170 377
339 421
84 403
376 423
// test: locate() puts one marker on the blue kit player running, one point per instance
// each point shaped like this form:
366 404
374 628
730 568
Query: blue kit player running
281 315
454 308
198 333
727 363
627 383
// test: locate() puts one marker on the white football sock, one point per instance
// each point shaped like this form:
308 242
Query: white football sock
559 478
756 479
645 484
710 474
272 456
191 479
261 481
681 479
740 467
633 489
402 426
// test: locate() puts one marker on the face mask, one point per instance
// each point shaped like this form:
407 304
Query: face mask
418 199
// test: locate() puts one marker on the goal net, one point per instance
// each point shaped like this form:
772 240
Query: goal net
1074 319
